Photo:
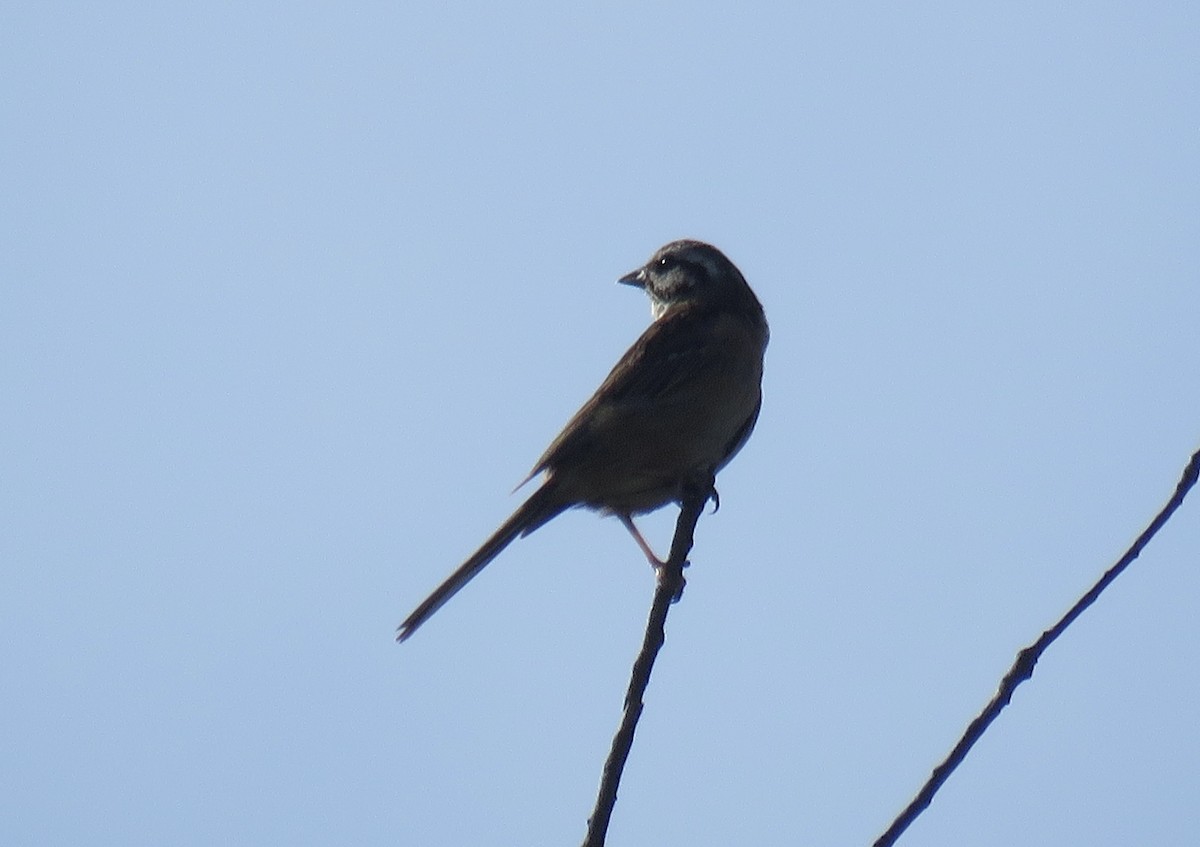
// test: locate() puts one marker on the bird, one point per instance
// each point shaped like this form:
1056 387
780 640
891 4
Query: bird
674 410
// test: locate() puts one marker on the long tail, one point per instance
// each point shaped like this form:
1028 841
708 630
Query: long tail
541 506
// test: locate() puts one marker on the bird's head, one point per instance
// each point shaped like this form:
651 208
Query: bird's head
688 273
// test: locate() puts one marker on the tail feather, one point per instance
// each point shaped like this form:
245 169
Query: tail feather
541 506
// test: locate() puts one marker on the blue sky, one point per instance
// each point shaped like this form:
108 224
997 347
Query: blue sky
292 296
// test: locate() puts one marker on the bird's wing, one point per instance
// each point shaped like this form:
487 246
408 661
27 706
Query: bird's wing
662 368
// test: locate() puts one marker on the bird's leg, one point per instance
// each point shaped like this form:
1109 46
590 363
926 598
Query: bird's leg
655 562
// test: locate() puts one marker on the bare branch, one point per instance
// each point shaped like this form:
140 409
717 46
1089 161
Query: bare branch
668 589
1022 668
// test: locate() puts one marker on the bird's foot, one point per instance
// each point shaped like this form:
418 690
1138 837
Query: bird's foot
654 561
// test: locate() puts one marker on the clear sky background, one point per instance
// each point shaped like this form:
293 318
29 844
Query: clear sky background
292 296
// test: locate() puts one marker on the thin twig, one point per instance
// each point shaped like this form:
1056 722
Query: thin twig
1022 668
668 589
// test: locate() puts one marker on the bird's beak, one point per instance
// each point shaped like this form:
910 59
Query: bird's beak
637 278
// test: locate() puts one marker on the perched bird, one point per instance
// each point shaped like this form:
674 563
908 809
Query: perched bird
676 408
